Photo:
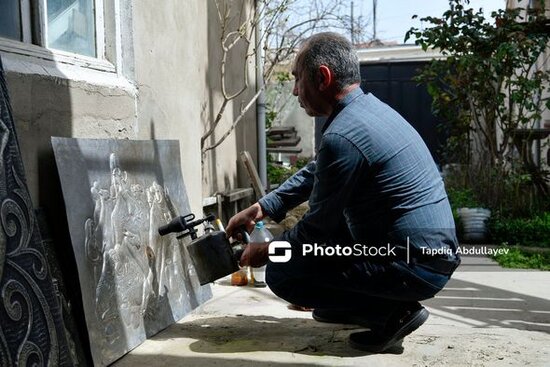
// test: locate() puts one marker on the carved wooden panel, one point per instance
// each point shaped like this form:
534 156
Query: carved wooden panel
32 332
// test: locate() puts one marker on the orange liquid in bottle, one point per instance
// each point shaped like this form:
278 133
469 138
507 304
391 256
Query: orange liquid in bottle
239 278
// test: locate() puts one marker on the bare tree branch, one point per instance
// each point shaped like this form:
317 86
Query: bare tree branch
284 28
235 122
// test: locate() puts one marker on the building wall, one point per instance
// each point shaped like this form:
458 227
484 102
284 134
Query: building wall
163 88
541 148
222 169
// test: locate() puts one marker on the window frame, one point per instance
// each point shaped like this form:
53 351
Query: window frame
34 30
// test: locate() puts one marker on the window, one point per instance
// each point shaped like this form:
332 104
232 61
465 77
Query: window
71 26
74 26
10 20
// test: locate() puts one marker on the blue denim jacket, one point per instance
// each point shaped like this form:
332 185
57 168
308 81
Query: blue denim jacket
374 181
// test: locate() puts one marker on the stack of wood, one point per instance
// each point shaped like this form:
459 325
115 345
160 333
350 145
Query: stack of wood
282 139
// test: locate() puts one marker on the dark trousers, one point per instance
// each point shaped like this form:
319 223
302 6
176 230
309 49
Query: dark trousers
374 289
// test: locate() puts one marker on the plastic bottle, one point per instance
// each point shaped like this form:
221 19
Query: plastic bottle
260 234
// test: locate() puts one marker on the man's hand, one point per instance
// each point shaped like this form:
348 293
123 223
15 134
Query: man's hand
255 255
247 218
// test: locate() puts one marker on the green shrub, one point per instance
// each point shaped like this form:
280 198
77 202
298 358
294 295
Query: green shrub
302 162
277 174
462 198
520 259
534 231
486 88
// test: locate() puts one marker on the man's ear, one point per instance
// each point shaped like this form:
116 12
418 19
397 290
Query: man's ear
325 77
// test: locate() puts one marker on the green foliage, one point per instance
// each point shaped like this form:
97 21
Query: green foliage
510 194
486 88
282 77
462 198
521 259
533 231
302 162
270 116
278 174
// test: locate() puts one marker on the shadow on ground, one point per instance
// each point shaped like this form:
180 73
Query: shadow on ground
164 360
478 305
239 333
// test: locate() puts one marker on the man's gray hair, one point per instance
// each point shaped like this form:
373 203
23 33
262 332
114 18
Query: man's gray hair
334 51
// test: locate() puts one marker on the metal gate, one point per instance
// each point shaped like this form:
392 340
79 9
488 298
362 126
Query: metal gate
392 83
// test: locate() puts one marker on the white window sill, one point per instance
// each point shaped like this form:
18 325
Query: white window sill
26 49
25 58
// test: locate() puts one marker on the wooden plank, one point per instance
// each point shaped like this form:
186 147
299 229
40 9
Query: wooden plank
210 200
253 174
281 136
281 130
533 134
238 194
285 150
284 143
276 138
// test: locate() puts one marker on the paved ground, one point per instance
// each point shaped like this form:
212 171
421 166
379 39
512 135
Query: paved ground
486 316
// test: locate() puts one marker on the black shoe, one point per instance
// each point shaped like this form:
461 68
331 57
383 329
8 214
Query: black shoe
398 327
332 316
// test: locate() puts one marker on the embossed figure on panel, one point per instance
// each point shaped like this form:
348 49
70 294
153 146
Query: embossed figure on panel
134 282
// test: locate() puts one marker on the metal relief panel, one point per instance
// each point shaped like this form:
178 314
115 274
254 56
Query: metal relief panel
134 282
32 332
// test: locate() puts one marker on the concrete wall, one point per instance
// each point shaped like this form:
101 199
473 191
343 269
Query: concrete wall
170 55
541 148
222 169
52 99
543 62
164 87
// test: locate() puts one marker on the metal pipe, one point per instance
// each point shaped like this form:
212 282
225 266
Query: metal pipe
260 104
352 25
374 5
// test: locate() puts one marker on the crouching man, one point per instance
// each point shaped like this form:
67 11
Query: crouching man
375 194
